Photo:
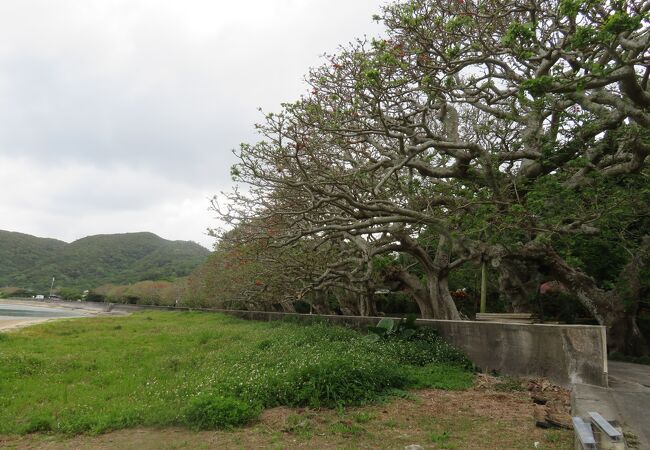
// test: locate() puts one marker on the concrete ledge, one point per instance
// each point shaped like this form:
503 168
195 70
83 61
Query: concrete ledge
565 354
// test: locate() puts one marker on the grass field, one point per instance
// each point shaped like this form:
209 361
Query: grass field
200 371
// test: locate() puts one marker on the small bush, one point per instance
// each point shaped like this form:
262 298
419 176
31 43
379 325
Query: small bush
338 381
424 348
213 412
39 424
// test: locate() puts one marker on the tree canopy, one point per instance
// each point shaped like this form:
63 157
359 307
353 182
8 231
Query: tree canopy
509 131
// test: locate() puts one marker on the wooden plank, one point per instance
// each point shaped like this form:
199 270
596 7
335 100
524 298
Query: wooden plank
526 318
506 315
514 321
499 319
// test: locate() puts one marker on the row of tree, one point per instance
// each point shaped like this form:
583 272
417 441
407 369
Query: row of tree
514 133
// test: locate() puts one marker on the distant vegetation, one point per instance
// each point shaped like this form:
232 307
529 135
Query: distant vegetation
203 371
143 292
30 262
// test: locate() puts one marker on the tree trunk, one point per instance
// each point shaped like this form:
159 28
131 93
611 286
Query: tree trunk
440 298
616 309
367 305
288 307
518 284
433 297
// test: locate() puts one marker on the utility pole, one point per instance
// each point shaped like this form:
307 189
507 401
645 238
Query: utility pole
483 286
51 287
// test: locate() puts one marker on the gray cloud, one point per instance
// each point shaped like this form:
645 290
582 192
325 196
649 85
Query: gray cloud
148 97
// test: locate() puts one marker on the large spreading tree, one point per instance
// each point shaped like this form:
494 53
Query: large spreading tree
495 130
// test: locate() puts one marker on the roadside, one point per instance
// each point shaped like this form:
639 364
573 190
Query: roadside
626 401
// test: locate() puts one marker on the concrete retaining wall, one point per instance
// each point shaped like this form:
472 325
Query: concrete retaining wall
565 354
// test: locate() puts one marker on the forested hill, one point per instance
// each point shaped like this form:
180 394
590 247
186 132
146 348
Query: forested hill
31 262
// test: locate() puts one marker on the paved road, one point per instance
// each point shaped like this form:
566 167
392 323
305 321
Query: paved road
627 400
630 385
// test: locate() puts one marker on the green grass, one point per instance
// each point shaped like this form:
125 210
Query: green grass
200 370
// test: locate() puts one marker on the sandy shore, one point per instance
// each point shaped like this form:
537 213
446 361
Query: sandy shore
12 324
8 323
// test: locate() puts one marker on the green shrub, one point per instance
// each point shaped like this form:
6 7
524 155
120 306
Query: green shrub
389 328
39 424
424 348
323 365
337 381
214 412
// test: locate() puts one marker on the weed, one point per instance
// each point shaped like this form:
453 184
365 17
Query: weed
173 363
363 417
38 424
346 428
442 440
553 436
211 412
390 424
299 425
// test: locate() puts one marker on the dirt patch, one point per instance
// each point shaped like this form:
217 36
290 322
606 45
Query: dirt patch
480 418
551 403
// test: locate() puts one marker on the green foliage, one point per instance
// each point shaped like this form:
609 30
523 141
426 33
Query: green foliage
583 37
457 23
213 412
519 35
538 86
31 262
440 438
203 370
388 328
621 22
69 293
14 292
570 8
333 381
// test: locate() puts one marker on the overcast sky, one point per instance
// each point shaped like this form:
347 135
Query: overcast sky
120 116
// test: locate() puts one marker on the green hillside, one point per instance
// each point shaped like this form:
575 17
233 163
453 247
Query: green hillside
31 262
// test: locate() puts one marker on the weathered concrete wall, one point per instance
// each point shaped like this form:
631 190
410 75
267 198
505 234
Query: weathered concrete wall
564 354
